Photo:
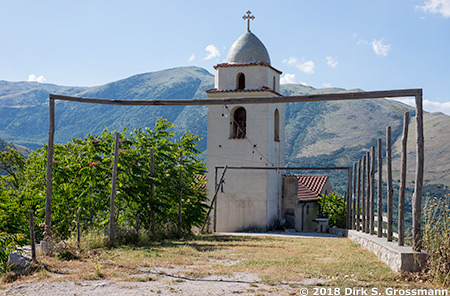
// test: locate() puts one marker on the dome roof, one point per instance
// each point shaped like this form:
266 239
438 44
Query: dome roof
248 48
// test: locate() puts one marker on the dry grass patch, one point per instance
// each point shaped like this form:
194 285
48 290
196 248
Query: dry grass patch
272 261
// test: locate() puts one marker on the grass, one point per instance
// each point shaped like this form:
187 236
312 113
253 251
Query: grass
274 261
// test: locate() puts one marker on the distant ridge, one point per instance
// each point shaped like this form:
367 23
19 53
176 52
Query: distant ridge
317 133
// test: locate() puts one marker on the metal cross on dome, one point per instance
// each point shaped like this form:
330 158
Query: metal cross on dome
248 17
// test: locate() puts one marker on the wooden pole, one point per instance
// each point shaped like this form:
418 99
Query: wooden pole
32 240
417 196
390 190
137 227
354 213
396 93
358 200
49 172
368 192
349 199
372 192
152 171
363 198
112 224
78 228
380 189
215 203
180 202
214 197
401 196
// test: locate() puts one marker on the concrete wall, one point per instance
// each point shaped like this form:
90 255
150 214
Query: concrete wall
305 213
290 194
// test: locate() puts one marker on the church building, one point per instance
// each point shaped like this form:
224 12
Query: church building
248 135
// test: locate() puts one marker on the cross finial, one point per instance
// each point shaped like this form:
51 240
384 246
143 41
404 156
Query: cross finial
248 17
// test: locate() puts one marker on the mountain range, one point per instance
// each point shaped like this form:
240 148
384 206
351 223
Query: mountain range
317 133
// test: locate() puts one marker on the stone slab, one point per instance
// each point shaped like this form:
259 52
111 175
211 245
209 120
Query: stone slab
396 257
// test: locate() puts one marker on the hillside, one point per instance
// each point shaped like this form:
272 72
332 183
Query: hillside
317 133
24 151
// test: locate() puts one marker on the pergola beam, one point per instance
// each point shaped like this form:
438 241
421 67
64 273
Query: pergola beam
249 100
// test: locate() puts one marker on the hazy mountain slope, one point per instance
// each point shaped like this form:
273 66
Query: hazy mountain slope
24 151
27 94
317 133
437 156
29 125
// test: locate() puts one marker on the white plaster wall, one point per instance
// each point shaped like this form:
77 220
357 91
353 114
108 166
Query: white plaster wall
242 205
256 76
251 199
276 155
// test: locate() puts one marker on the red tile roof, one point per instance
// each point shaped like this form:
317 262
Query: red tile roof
246 65
201 181
263 88
310 186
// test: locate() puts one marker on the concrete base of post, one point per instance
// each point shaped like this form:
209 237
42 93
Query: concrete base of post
46 248
397 258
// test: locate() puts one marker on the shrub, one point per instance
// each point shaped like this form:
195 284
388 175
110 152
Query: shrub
436 238
333 207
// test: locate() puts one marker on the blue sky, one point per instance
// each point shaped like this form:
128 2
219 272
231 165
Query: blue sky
373 45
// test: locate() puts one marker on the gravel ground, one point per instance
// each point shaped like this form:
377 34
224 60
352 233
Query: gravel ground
162 283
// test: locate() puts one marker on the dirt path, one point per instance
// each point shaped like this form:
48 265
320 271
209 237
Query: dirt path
158 282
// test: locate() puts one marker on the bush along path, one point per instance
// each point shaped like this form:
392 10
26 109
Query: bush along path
145 195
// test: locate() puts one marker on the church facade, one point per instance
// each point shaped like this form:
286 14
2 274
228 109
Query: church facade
249 135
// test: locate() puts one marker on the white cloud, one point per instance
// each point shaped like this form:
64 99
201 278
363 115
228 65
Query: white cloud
331 62
303 83
307 67
428 105
288 78
291 61
192 58
34 78
362 42
213 52
437 6
326 84
380 48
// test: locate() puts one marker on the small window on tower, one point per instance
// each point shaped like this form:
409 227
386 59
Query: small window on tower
240 81
274 83
239 123
276 128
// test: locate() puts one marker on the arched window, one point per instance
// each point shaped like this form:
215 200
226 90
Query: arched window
240 81
274 83
239 123
276 126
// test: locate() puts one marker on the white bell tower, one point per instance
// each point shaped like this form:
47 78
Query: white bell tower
250 135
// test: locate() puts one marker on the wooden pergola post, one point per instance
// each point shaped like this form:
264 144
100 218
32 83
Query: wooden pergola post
401 196
354 198
152 203
372 191
349 198
363 197
417 196
380 189
358 199
112 200
49 171
390 190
